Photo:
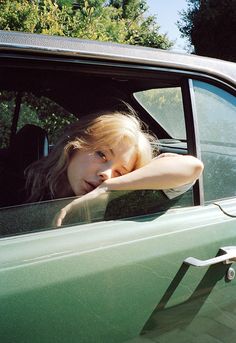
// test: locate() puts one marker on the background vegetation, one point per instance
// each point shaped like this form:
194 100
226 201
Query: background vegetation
122 21
210 26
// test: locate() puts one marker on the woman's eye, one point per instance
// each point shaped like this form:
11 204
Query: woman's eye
101 155
118 173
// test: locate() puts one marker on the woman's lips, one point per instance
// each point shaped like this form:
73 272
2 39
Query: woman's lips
89 186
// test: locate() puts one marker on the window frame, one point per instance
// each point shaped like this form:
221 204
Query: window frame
136 71
220 86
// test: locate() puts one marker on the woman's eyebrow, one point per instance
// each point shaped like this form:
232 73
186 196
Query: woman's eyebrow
125 168
112 152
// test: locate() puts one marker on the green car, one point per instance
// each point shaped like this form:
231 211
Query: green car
135 267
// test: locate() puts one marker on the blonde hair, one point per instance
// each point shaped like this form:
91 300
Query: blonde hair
46 177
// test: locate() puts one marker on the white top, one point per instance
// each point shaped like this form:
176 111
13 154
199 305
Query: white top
174 192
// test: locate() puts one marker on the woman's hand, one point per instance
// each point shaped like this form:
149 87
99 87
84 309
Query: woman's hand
76 204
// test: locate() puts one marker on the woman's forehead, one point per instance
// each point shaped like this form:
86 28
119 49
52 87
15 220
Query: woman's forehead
124 154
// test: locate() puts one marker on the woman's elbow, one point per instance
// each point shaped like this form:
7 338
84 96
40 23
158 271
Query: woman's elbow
197 168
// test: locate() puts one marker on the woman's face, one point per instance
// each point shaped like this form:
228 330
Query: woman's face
88 169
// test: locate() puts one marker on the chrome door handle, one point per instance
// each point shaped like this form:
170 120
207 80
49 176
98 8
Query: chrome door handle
228 256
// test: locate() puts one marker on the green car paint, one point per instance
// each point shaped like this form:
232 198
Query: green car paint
119 281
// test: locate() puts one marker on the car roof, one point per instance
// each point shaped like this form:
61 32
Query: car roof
79 48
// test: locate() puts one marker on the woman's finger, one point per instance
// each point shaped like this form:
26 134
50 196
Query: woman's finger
60 216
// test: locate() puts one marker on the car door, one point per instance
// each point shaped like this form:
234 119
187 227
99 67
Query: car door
113 281
128 279
208 312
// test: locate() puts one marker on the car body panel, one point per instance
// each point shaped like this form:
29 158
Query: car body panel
105 286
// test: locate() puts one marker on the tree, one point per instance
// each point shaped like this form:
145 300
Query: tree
131 9
116 21
140 29
33 16
121 21
210 27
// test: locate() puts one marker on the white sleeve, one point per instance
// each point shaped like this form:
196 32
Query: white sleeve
174 192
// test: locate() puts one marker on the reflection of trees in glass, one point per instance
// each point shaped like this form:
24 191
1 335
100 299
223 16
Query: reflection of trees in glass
142 202
165 105
218 145
216 113
38 111
45 113
219 175
218 130
217 120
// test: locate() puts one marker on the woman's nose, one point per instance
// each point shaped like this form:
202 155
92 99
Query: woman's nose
105 174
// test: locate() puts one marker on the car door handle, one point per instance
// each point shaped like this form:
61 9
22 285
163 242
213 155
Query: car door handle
228 256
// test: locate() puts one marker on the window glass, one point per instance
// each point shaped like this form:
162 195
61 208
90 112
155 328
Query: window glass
7 107
217 121
40 111
45 113
165 105
18 109
114 205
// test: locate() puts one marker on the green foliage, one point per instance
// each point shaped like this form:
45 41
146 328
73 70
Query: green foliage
118 21
210 27
33 110
44 113
165 105
18 15
7 105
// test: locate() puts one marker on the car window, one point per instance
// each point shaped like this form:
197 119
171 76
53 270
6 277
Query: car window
7 107
21 108
217 121
113 205
31 109
166 107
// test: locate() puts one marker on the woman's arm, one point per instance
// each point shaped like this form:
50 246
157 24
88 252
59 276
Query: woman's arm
163 172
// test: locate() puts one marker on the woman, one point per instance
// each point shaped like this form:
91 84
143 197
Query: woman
105 152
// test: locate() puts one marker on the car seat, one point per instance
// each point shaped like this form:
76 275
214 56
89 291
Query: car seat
29 145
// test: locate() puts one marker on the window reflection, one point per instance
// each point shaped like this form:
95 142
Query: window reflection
217 121
109 206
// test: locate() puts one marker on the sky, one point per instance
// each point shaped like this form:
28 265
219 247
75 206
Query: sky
167 15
